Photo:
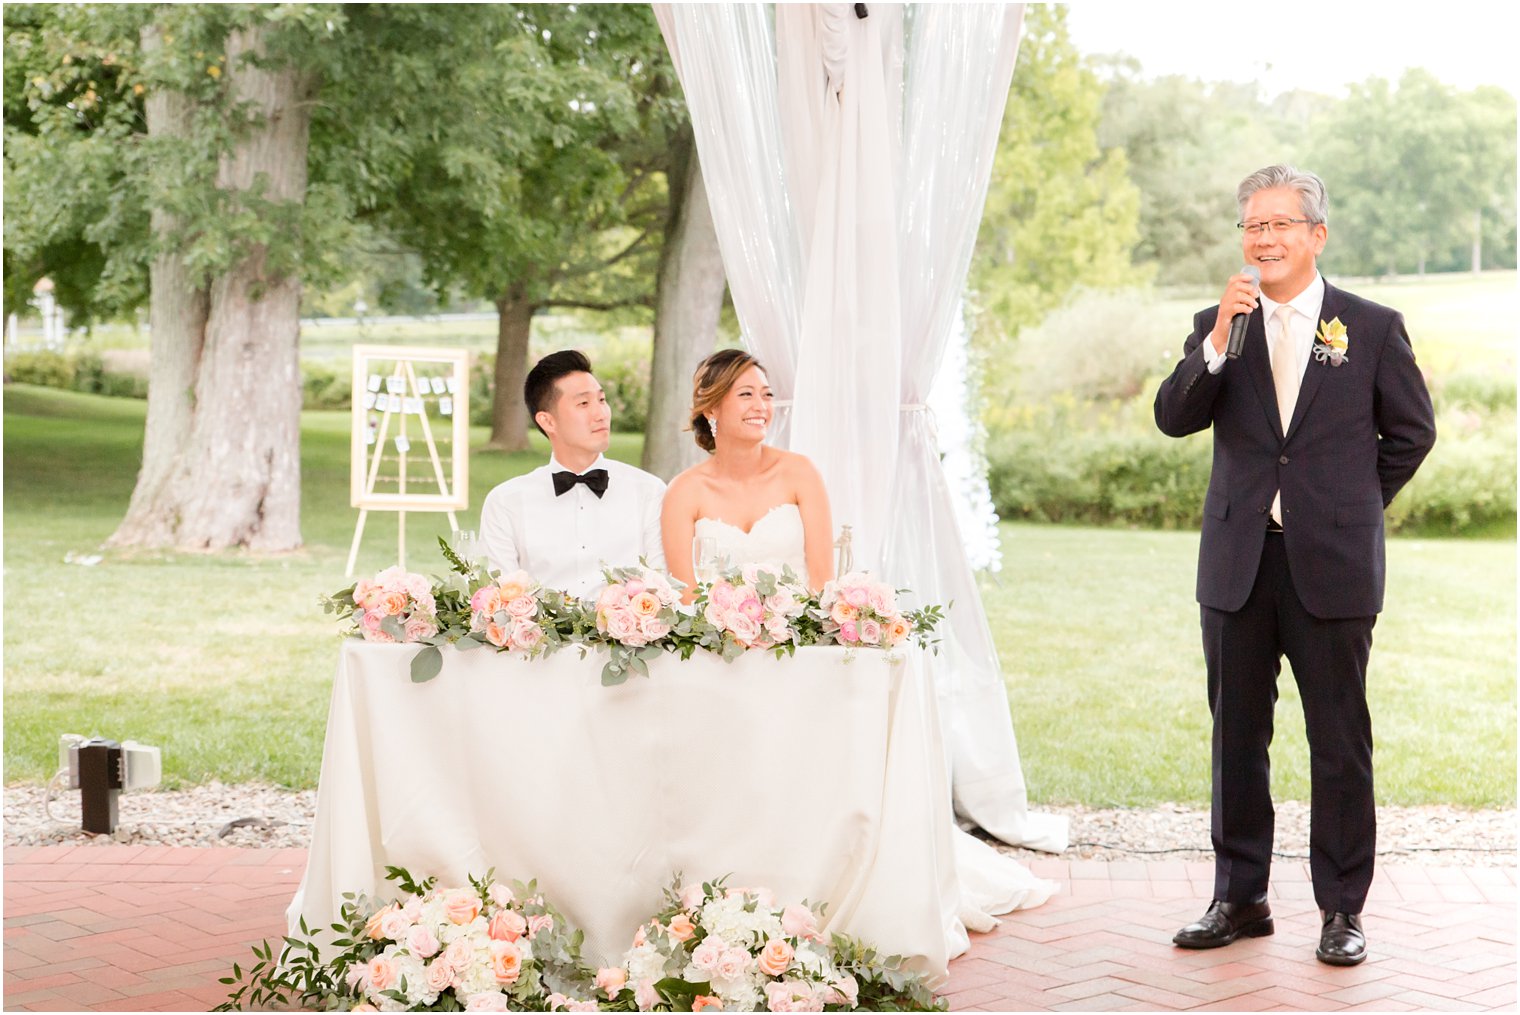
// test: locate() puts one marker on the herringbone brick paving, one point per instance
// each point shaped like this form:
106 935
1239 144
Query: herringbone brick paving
133 928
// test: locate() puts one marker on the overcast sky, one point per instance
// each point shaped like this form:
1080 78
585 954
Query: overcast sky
1316 46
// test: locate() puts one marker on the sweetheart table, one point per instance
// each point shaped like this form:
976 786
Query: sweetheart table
820 776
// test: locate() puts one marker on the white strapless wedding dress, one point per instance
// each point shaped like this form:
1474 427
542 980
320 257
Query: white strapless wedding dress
776 539
990 882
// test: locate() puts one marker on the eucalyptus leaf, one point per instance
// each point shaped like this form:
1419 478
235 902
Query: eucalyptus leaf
426 664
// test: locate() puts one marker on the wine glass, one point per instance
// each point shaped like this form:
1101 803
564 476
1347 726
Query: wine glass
707 561
466 546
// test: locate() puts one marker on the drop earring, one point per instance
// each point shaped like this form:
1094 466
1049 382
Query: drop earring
712 424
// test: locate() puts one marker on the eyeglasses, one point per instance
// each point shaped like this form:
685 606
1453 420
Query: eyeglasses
1256 229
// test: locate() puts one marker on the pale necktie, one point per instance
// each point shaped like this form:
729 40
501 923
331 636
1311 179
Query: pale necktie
1284 379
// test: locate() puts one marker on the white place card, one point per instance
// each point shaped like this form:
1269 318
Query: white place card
402 444
446 406
438 386
374 382
452 386
394 385
369 399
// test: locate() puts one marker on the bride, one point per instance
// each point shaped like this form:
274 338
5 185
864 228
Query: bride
759 504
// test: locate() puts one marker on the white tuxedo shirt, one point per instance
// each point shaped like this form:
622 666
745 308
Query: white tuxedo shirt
564 541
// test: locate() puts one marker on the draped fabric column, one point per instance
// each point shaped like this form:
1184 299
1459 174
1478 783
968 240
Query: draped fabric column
847 189
959 67
725 55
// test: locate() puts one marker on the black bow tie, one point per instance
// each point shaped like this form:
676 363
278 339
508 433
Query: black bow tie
595 480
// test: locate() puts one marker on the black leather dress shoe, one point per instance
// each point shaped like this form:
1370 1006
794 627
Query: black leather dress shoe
1341 941
1226 921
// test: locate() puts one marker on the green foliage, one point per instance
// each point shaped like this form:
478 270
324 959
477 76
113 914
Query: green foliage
1467 483
73 371
1061 211
1409 166
1101 344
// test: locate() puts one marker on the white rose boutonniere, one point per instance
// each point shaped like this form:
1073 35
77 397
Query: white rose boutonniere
1331 341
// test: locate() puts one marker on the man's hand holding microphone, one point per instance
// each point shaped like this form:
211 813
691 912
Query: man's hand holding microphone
1235 307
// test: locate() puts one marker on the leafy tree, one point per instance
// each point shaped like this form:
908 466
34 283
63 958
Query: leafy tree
1061 211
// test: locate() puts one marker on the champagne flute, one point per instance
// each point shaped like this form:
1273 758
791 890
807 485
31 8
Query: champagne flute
466 546
707 562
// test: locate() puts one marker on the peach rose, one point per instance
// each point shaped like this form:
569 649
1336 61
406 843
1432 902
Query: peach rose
372 925
707 1002
487 599
897 630
461 907
645 604
843 612
515 584
681 928
611 980
498 634
391 603
380 974
506 926
775 957
506 961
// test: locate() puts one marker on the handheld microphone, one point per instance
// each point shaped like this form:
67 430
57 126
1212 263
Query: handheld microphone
1237 339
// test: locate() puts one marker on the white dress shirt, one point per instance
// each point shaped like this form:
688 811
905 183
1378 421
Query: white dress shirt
1303 325
565 541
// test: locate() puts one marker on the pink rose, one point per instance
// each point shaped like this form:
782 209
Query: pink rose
584 1006
775 957
395 924
883 599
380 974
420 626
522 606
461 907
506 961
848 632
369 626
640 938
681 928
416 586
487 600
611 980
526 636
493 1000
500 894
743 628
653 628
857 596
610 598
691 896
421 942
713 614
459 954
543 921
751 607
506 925
843 991
733 963
623 626
722 594
776 626
556 1001
633 587
870 632
440 976
708 954
782 603
799 921
645 996
364 1006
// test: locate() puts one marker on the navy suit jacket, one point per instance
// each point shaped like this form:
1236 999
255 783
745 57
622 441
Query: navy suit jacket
1359 431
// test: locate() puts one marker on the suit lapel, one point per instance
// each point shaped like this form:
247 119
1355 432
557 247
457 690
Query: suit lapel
1330 308
1259 365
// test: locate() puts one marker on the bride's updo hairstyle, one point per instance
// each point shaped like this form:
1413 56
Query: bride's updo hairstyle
714 378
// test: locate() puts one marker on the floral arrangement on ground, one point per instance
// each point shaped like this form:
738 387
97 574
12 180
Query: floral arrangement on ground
637 616
500 946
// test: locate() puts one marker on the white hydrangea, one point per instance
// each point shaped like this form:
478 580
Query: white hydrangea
410 970
728 919
644 962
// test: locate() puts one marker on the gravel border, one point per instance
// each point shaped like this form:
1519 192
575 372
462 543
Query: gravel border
263 816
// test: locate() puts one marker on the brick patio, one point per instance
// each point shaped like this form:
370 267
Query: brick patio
133 928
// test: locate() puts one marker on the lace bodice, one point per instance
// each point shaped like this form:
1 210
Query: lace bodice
775 539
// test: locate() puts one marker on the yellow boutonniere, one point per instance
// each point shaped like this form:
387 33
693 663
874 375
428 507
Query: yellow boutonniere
1331 342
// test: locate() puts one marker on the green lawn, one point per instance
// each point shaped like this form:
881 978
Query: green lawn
225 660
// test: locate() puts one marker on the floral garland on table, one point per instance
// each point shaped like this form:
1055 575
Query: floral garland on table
637 616
500 947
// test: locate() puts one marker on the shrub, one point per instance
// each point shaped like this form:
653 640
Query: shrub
324 387
49 369
1492 391
1467 483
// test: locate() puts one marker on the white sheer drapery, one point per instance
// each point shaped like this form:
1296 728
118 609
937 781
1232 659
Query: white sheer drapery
878 176
958 435
727 66
960 64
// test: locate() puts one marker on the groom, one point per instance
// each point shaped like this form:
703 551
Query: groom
1317 425
563 521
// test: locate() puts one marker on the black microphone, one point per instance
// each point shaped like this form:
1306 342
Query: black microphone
1237 339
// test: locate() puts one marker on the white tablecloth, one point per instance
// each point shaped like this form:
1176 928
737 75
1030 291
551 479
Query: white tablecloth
820 777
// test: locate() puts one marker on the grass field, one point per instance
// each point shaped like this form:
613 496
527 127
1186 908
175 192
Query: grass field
226 660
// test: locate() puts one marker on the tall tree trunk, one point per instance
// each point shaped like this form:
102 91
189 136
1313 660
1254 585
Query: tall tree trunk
688 299
1477 244
237 481
514 326
178 308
